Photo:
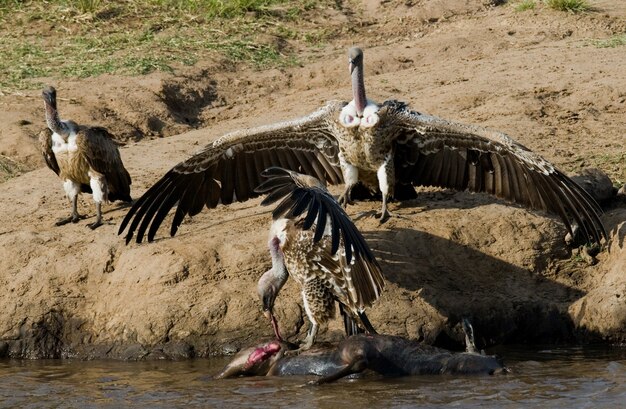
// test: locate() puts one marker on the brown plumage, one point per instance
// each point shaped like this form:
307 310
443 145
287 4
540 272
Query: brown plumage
314 241
364 141
85 158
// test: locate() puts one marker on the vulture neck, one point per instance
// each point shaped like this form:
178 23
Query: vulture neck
358 88
54 123
275 278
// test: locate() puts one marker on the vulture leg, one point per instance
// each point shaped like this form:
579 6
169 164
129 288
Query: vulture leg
98 222
386 179
100 193
72 193
308 341
384 213
351 178
470 343
345 199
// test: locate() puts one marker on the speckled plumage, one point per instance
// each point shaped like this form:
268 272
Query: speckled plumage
313 240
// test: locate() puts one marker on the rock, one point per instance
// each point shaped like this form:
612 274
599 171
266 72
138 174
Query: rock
601 313
596 183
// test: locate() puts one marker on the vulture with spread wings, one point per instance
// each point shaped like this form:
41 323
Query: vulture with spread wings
384 146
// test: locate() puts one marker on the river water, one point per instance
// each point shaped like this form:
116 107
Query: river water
546 378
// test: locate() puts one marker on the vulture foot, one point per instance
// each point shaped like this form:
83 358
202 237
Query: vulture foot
95 225
383 216
305 346
72 219
345 200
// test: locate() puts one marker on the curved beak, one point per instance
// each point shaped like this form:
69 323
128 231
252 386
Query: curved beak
49 95
351 66
270 316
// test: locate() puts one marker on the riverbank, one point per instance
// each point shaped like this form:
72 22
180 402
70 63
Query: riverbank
536 75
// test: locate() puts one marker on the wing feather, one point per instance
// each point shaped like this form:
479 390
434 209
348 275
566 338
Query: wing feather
103 156
303 193
45 143
357 284
431 149
231 166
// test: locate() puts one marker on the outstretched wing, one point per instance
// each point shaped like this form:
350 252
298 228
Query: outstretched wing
435 152
103 156
300 193
45 143
229 169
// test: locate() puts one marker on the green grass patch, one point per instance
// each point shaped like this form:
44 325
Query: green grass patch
83 38
86 6
525 5
573 6
218 8
615 41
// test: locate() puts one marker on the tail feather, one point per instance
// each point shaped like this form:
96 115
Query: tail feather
369 328
351 325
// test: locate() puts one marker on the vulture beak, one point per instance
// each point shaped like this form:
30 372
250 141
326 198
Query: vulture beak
270 316
49 95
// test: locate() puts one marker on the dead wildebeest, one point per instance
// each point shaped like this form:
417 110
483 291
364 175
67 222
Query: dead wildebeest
385 354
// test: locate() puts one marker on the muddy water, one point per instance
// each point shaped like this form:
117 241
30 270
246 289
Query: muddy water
547 378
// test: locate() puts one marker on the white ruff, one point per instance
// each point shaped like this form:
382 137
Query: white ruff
351 119
370 115
348 116
60 146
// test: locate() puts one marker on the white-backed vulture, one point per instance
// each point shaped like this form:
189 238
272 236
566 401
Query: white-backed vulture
86 159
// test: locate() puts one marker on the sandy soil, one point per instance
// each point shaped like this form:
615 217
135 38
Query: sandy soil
535 75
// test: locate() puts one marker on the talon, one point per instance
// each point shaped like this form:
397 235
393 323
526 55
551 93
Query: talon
71 219
345 200
383 216
293 352
94 225
62 222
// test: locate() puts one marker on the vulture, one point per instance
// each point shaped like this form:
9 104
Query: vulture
385 146
321 250
86 159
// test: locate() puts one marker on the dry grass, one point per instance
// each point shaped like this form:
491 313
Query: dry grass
525 5
573 6
91 37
